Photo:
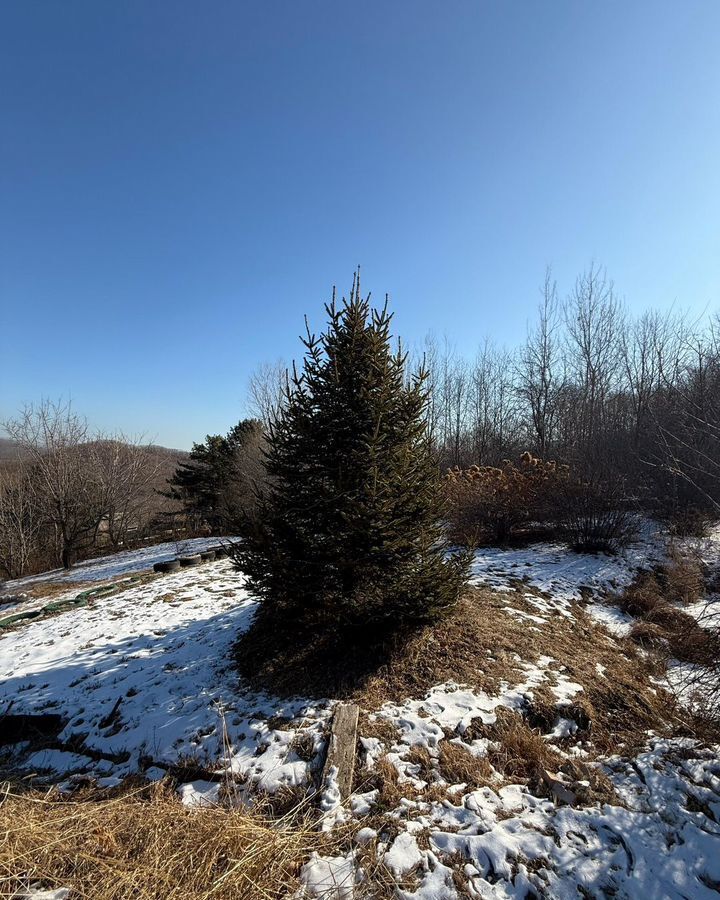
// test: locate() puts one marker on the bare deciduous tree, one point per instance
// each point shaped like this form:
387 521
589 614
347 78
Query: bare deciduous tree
54 440
20 520
539 371
124 471
267 391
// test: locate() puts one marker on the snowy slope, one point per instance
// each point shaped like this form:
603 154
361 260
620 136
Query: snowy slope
163 650
159 653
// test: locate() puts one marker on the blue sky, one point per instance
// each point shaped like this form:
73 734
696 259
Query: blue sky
181 182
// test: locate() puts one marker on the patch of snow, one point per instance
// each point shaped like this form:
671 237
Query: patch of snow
329 877
437 883
117 564
40 894
58 761
519 614
163 649
615 620
365 835
403 856
200 793
706 612
563 728
654 846
564 576
564 689
331 800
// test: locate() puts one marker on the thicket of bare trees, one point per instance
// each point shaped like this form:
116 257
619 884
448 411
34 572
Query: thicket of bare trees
631 403
68 491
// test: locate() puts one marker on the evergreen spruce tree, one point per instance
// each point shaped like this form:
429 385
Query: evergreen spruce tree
351 531
205 485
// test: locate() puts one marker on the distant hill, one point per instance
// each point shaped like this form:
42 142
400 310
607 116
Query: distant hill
10 450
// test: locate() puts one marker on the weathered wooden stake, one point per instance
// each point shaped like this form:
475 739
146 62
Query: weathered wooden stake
341 747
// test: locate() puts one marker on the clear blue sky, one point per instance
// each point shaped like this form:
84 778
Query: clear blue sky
180 182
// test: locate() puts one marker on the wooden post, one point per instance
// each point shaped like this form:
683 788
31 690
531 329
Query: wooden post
341 747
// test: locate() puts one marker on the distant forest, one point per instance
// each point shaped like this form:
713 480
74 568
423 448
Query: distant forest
628 404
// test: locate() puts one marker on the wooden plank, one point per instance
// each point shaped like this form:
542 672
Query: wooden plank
340 760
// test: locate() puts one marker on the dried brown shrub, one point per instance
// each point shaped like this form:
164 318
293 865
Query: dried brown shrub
458 765
683 579
489 502
654 598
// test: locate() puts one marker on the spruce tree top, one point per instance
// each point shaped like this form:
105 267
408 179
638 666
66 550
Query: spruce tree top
351 529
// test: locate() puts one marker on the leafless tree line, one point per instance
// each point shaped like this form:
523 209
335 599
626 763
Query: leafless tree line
632 400
70 491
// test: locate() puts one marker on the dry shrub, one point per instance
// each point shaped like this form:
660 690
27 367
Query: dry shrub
458 765
383 778
649 636
642 596
660 624
595 515
490 502
688 522
683 579
146 845
518 752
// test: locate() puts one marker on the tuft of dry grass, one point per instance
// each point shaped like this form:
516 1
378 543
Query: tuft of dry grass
664 627
378 727
145 845
684 578
458 765
518 752
47 590
383 777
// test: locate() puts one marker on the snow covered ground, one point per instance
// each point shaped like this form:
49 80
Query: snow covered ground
566 576
143 680
511 844
161 650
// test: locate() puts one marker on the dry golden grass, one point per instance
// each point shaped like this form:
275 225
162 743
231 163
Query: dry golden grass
457 765
483 645
664 627
383 777
47 590
378 727
683 579
518 752
145 845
